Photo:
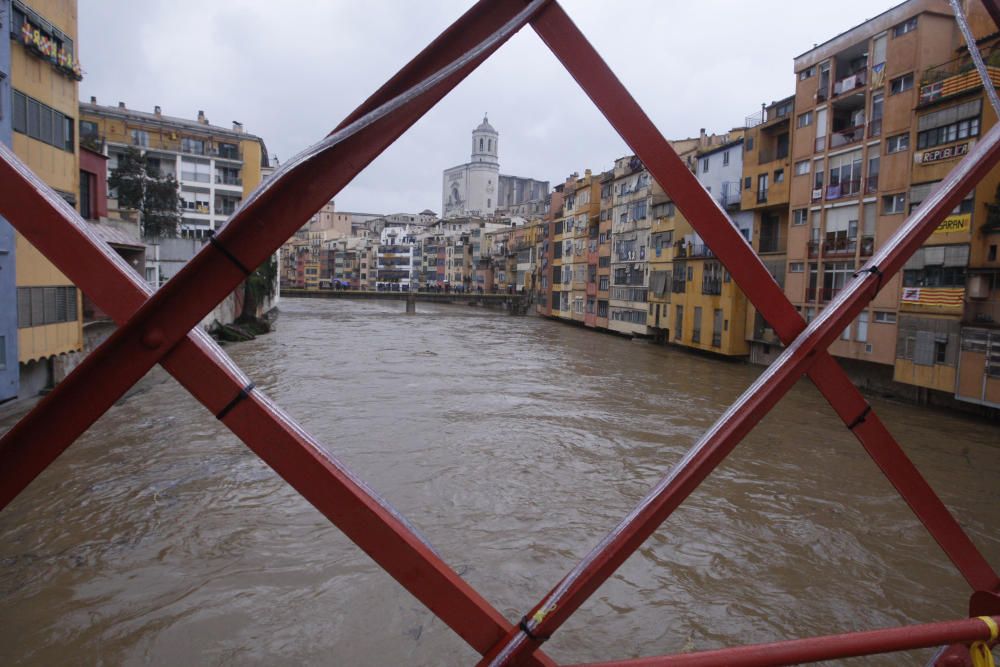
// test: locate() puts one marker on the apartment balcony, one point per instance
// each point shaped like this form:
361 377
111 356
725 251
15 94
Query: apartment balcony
769 243
839 247
957 76
711 285
771 155
228 180
731 194
844 189
850 82
699 250
847 136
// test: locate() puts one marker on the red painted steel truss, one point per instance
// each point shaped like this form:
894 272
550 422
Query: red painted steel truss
159 328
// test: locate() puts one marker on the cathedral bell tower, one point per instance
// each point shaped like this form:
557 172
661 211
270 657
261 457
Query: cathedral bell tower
485 142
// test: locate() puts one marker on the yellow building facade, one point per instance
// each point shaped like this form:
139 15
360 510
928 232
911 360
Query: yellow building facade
44 79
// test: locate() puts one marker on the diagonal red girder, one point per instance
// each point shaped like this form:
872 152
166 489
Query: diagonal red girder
212 378
805 353
828 647
271 214
158 326
746 267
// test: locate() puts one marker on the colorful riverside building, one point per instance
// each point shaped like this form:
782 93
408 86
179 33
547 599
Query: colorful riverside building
868 143
545 269
44 76
581 216
948 336
215 167
631 207
708 310
8 284
766 176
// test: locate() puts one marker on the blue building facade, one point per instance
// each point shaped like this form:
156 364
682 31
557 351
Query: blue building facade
8 287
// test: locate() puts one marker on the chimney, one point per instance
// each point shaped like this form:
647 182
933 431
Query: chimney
701 138
586 173
93 99
121 105
201 117
237 126
156 109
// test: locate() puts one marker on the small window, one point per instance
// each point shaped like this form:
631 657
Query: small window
747 183
901 84
20 115
796 267
906 26
802 168
704 165
749 144
897 143
725 159
779 175
800 216
892 204
807 73
804 119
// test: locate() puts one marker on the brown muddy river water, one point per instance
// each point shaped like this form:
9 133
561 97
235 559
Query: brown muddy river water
514 444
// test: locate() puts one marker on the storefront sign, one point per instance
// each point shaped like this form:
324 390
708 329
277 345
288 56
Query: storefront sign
946 153
954 223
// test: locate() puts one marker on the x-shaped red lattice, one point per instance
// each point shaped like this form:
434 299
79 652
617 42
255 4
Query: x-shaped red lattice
158 328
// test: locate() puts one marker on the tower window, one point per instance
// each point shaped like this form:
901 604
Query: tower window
490 142
480 144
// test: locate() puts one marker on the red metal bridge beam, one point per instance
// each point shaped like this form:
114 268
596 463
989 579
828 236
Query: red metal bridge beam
269 217
569 45
746 267
214 380
829 647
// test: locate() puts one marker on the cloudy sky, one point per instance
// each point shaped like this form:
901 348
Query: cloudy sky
290 71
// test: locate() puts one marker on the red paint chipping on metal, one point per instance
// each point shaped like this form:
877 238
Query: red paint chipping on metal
157 328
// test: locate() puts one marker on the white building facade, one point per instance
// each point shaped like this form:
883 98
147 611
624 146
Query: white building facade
471 188
397 262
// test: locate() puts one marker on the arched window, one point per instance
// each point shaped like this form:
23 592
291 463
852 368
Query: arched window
480 143
490 144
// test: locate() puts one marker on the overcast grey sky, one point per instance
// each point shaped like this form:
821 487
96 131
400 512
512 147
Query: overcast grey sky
290 71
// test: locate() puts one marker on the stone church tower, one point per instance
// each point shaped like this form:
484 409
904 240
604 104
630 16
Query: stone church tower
471 188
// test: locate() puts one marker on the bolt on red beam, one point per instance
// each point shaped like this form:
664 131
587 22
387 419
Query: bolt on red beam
706 216
828 647
752 406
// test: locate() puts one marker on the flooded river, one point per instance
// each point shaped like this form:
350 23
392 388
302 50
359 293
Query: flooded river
514 444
